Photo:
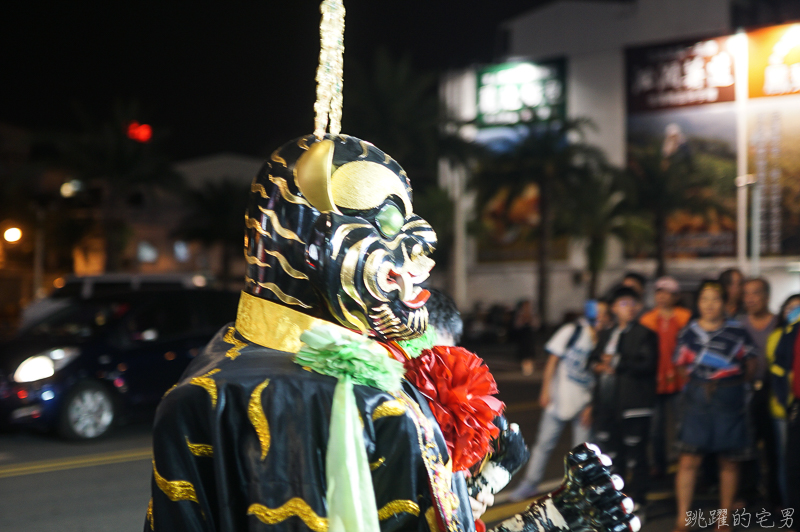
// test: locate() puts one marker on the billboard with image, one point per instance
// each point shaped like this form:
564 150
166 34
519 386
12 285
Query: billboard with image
681 126
774 134
509 97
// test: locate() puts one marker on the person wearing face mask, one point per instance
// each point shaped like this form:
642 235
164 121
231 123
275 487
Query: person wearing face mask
566 392
717 357
625 362
782 356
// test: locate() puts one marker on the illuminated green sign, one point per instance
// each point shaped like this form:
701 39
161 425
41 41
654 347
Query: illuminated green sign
510 93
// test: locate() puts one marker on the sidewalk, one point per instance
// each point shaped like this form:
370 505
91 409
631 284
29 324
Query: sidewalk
661 511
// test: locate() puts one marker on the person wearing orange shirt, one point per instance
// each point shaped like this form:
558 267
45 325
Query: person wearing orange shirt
666 320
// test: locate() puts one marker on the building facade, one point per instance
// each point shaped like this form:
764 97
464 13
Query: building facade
596 41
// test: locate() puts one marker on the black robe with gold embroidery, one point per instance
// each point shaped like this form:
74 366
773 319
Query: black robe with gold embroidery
240 443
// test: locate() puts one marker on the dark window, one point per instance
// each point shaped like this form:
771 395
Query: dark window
169 285
163 318
71 289
136 199
218 308
223 309
81 319
104 289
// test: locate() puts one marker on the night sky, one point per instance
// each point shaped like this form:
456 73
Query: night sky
217 77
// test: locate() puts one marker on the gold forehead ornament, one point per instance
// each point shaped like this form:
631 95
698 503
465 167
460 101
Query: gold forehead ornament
358 185
312 175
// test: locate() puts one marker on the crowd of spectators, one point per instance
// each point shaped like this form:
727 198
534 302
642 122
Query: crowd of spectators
707 390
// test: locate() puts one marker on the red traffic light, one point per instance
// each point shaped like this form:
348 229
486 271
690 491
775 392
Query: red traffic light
140 132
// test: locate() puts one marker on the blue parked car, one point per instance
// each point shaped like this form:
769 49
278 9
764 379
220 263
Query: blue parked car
82 368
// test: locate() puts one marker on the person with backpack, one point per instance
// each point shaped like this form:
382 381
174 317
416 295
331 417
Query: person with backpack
625 361
566 392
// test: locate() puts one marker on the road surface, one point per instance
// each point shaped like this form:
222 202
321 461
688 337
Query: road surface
47 484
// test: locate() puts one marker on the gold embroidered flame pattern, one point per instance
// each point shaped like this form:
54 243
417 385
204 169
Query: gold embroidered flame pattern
356 319
253 260
283 187
176 490
205 381
348 273
277 158
255 186
201 450
389 408
430 517
255 412
283 296
150 513
341 233
294 507
276 224
285 265
230 338
281 260
399 506
377 463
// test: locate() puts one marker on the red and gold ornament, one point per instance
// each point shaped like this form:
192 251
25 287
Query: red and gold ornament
460 390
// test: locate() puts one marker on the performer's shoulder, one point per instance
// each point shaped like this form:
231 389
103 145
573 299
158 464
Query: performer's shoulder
229 354
232 369
229 362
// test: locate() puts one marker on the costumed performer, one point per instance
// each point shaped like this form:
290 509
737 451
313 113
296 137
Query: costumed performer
298 416
289 420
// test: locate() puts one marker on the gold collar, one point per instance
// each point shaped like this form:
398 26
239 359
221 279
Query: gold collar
272 325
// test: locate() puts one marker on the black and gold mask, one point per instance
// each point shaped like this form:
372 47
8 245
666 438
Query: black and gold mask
331 233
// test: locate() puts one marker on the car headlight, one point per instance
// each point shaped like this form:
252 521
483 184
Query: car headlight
45 364
35 368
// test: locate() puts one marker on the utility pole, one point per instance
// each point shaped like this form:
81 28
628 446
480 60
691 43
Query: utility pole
38 255
740 58
743 182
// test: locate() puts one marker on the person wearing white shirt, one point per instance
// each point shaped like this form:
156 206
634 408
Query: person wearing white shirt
566 392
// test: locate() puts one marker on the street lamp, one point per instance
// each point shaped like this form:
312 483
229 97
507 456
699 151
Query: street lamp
12 235
70 188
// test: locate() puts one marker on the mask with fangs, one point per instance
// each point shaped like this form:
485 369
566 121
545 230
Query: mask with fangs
331 232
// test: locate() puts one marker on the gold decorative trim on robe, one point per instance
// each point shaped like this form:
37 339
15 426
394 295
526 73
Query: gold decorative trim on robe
294 507
272 325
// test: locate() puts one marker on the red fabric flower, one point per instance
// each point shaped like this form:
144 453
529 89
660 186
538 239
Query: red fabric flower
459 389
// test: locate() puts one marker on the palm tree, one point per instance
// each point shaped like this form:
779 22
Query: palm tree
552 154
395 107
595 209
660 186
391 104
